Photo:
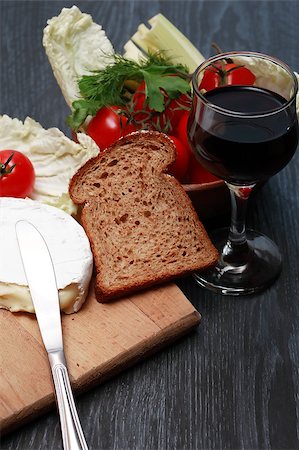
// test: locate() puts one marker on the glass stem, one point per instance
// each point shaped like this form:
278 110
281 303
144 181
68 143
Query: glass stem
236 252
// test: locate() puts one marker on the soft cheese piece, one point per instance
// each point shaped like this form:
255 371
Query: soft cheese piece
55 157
68 245
75 46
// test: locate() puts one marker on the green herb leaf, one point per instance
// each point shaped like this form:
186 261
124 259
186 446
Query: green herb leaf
111 86
82 109
173 86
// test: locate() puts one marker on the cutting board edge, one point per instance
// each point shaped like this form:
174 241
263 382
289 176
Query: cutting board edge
159 340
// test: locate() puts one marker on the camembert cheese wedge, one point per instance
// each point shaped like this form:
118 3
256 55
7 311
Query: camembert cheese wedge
68 245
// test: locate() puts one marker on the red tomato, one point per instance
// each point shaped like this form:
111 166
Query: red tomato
173 112
141 111
210 79
199 175
16 174
241 75
179 168
107 127
231 74
176 109
181 130
196 173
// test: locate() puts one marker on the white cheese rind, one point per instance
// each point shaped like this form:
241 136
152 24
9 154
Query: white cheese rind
67 242
17 298
55 157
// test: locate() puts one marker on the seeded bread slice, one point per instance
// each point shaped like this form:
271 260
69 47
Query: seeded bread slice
140 222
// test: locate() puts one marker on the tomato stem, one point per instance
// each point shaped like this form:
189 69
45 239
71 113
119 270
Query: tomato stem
222 72
219 50
3 167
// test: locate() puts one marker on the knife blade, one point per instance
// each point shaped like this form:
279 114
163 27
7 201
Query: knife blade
40 274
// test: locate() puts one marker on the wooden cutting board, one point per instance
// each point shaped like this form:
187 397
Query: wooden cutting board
100 340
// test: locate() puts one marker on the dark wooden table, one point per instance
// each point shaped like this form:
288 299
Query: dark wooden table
234 383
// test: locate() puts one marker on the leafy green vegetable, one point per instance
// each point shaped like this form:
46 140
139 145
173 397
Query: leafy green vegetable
82 109
112 85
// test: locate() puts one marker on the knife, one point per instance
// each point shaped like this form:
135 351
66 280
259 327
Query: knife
41 280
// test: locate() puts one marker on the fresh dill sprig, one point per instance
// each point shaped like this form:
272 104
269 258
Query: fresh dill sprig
113 85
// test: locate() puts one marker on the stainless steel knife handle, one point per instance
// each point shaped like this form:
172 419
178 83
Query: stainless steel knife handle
72 434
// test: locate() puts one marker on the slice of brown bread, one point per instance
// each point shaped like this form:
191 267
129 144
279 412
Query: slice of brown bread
140 222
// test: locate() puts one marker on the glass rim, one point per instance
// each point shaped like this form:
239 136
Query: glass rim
229 112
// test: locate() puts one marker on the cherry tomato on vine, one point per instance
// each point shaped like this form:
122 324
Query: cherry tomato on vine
181 131
16 174
230 74
140 109
172 114
177 109
196 173
179 168
240 75
199 175
107 126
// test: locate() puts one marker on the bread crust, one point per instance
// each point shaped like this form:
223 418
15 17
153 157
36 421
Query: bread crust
135 135
148 278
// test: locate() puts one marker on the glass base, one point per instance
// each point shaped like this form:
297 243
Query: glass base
263 267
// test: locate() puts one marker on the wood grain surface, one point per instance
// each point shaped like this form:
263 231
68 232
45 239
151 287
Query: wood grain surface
101 341
234 383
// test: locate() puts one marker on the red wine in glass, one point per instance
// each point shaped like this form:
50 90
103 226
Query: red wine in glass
246 151
244 135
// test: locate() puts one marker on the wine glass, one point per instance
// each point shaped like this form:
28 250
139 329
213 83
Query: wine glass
243 131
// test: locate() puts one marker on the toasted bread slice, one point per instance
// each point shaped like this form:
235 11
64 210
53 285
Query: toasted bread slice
141 224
